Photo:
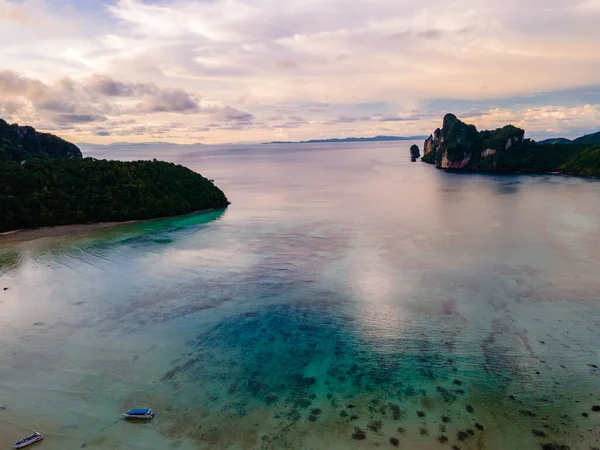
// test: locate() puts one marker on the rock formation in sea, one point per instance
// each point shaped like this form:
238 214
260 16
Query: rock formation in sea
414 153
459 146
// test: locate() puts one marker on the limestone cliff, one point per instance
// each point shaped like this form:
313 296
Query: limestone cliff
459 146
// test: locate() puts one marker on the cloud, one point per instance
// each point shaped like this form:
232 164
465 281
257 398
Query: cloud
415 59
99 131
230 114
391 118
538 120
430 34
15 84
170 100
287 64
56 105
291 122
348 119
104 85
87 100
79 118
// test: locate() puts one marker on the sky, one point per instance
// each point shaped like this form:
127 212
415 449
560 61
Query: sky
216 71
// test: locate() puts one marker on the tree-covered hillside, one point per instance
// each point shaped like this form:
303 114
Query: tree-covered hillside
586 162
44 181
60 192
21 143
593 138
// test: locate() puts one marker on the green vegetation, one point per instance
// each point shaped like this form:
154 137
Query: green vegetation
528 157
459 146
20 143
44 182
460 138
555 141
60 192
588 139
585 163
429 158
498 139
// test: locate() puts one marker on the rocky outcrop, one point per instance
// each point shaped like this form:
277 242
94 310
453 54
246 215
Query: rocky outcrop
459 146
414 153
19 143
445 163
432 143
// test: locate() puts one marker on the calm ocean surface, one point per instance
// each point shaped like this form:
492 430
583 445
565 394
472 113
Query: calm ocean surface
344 287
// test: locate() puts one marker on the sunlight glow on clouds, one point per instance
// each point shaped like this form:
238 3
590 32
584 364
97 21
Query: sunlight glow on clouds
254 70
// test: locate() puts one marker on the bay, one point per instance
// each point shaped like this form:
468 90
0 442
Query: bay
344 287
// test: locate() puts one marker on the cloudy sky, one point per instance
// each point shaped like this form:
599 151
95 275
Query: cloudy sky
216 71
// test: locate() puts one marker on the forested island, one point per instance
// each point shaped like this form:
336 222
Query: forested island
45 181
459 146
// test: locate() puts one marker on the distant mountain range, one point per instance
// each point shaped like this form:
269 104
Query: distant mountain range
133 144
593 138
353 139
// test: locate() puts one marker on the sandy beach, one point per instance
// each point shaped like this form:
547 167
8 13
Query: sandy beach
57 231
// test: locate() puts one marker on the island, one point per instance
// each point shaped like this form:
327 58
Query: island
458 146
46 181
353 139
593 138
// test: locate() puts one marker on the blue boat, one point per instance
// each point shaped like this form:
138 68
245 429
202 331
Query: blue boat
143 413
35 437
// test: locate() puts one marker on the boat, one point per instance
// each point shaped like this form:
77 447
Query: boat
35 437
144 413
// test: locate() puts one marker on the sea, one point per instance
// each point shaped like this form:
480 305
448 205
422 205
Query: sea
348 298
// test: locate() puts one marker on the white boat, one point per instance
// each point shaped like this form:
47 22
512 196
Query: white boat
144 413
35 437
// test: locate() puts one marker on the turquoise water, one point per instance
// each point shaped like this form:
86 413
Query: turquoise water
344 287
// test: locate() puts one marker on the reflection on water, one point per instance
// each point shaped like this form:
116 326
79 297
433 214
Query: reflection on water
345 291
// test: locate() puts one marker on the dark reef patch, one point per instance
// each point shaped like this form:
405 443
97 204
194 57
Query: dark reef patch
528 413
462 435
375 425
359 434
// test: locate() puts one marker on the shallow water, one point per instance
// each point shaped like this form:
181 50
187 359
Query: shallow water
344 287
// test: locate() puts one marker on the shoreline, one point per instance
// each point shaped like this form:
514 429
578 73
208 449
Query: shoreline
63 230
58 230
500 172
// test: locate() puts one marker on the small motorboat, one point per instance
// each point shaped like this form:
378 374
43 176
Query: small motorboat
35 437
144 413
